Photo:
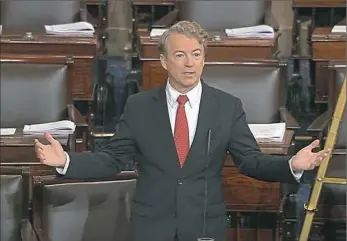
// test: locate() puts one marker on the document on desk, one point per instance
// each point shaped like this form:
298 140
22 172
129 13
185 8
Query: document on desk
258 31
71 29
64 127
157 32
273 132
339 29
7 131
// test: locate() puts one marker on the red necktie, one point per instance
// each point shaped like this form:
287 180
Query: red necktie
181 135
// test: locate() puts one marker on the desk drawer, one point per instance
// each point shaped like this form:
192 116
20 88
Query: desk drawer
329 50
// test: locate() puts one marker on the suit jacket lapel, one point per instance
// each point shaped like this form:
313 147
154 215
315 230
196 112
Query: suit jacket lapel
163 128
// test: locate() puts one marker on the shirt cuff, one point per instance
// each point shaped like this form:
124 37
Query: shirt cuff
297 174
62 171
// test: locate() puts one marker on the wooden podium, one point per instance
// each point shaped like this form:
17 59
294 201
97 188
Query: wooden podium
326 47
318 3
79 50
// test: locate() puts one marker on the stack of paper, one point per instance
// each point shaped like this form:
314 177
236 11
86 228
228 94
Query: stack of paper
259 31
157 32
273 132
71 29
339 29
7 131
64 127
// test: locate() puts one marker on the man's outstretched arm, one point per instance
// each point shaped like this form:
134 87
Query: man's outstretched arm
120 149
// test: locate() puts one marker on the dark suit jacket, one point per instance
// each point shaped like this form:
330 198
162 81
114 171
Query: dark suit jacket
170 199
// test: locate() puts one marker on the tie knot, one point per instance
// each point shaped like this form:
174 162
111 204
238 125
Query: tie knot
182 99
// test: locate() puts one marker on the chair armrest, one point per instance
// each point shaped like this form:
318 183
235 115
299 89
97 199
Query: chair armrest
290 121
75 116
27 231
320 124
166 21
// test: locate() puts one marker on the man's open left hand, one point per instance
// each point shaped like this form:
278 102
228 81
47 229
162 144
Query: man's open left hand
306 159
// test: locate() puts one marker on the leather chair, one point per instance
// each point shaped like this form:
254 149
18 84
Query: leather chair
231 14
36 90
34 14
89 210
33 93
259 85
27 174
13 226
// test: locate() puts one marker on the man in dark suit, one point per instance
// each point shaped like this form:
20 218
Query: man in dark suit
180 134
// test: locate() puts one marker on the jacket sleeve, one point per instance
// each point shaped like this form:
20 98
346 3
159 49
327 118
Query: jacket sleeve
248 157
111 160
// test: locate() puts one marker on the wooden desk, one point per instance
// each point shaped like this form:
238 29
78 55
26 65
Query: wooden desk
19 150
153 2
225 50
326 46
79 50
247 194
319 3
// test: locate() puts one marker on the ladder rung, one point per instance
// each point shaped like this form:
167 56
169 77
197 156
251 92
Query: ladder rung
332 180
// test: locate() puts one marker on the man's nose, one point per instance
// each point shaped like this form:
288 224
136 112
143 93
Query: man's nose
188 61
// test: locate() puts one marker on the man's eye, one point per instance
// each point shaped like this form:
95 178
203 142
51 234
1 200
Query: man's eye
179 55
197 54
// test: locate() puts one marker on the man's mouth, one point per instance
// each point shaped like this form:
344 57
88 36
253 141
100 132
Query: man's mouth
189 73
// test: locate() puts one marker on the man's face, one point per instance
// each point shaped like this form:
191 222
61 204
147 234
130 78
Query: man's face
184 61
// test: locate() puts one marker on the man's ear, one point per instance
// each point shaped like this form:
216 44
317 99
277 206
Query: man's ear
163 61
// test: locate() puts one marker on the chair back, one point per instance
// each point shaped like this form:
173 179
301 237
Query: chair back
32 93
87 211
11 194
34 14
260 87
219 15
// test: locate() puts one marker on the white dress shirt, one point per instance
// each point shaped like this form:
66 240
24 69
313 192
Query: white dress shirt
192 112
191 107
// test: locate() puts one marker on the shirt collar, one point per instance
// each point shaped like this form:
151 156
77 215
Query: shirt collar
194 95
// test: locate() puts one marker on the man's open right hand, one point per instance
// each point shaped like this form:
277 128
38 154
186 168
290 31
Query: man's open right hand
51 154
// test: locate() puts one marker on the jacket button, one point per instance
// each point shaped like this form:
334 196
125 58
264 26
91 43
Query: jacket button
180 182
